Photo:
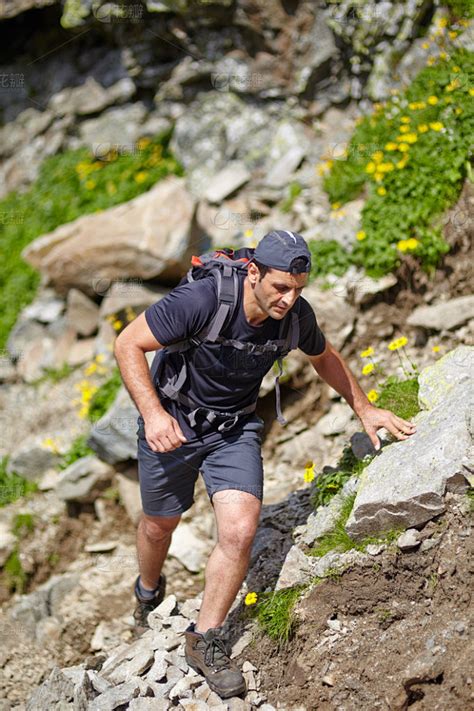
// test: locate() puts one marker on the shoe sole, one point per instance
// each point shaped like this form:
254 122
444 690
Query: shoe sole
230 692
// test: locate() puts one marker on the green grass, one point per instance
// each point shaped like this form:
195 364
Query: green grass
13 486
400 396
339 541
77 450
54 375
460 8
328 257
103 398
69 185
23 523
274 612
330 483
418 190
16 577
293 189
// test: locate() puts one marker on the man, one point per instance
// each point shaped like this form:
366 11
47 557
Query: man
175 442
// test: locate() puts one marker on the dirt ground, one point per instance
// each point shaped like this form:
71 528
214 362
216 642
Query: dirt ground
398 635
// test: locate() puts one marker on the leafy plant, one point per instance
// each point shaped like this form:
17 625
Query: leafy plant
78 449
329 483
23 523
328 257
104 396
13 486
400 396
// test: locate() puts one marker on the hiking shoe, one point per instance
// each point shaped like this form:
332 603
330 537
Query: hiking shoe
207 654
144 607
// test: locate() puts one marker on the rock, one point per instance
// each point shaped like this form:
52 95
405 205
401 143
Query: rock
364 288
133 667
101 547
50 349
82 313
445 315
279 174
188 548
46 308
334 315
375 549
129 490
233 176
7 542
118 128
164 639
165 608
32 459
122 294
323 520
82 351
183 688
241 644
336 420
405 484
409 539
317 48
56 692
157 671
114 436
27 125
82 480
289 146
23 333
151 236
90 97
148 704
116 696
299 568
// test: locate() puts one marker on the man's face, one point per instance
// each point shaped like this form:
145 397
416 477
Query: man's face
277 291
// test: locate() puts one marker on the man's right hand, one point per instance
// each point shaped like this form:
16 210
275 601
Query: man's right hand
163 433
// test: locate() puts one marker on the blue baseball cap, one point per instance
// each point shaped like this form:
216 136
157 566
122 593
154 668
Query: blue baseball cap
279 248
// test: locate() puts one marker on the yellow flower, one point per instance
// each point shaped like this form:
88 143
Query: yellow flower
367 369
411 138
49 443
452 34
432 100
381 191
456 69
402 163
435 349
422 128
377 156
372 395
370 167
100 358
402 245
442 22
336 205
458 111
117 325
251 598
471 92
403 147
90 184
91 368
309 472
405 119
385 167
425 45
412 243
378 177
391 146
398 343
143 143
404 129
368 352
436 126
430 61
141 176
361 235
111 188
442 55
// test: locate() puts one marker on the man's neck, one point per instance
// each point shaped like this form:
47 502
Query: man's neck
253 313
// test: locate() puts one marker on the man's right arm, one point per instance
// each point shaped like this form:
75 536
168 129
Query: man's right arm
162 430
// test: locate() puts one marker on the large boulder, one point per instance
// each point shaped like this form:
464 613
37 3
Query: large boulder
404 486
151 236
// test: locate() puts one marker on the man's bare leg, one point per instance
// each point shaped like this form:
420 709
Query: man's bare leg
237 514
153 540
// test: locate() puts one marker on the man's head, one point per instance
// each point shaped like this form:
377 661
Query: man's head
279 271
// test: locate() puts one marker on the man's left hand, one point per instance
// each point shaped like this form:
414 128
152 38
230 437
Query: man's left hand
373 418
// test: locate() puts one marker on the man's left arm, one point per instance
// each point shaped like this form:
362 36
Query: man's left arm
332 368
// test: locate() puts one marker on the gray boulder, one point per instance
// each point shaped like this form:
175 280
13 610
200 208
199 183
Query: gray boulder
83 480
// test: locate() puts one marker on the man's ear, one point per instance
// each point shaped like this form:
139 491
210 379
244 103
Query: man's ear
253 273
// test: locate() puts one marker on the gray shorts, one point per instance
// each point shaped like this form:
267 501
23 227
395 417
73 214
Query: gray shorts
230 460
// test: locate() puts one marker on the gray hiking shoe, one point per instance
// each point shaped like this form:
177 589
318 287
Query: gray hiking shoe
144 607
207 654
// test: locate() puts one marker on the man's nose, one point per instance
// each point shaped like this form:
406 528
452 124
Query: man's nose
290 298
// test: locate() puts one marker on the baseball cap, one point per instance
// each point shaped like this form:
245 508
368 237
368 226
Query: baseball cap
279 248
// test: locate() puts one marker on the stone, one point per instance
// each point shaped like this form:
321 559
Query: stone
121 294
149 237
133 667
116 696
241 644
299 568
118 128
46 308
32 459
323 520
114 435
148 704
164 639
334 315
336 420
404 486
90 97
364 288
280 172
227 181
82 480
81 351
409 540
55 691
188 548
82 313
317 48
444 315
8 542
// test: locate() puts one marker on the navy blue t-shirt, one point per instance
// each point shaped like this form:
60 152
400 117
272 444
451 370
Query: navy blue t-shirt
218 376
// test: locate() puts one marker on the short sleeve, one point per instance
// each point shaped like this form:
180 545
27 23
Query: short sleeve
183 312
312 340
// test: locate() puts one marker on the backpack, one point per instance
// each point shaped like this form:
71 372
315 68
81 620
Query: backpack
225 265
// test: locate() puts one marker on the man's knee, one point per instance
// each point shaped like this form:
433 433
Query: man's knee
159 528
237 516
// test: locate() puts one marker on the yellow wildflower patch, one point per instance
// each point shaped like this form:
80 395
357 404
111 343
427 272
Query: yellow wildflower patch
367 369
368 352
372 395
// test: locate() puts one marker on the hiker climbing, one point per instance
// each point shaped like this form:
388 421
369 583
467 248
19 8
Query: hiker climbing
216 335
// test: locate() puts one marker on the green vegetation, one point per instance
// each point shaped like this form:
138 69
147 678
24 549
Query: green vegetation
78 449
470 498
390 156
293 189
328 257
460 8
274 612
104 396
339 541
329 483
16 577
12 486
112 493
23 523
55 374
400 396
69 185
